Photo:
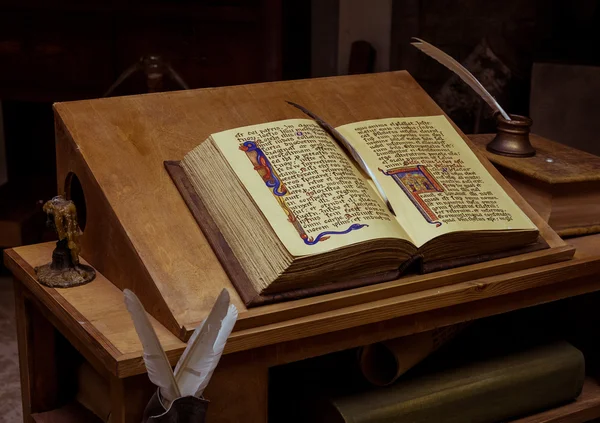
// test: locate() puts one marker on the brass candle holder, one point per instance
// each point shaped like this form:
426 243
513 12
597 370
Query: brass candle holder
512 138
65 270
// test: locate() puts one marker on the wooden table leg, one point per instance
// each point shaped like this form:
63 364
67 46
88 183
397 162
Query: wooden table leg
129 398
36 338
238 390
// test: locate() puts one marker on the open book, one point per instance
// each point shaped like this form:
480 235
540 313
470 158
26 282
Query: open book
297 212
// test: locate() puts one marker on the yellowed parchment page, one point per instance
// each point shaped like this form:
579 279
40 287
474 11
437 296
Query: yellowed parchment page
433 180
308 189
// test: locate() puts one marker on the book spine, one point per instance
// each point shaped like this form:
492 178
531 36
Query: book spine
489 391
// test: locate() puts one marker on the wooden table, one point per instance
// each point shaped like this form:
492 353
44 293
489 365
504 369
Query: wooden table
139 234
94 320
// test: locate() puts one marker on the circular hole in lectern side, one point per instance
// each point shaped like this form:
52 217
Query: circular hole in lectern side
74 192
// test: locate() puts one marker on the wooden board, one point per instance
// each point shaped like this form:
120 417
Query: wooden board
95 315
139 232
250 353
553 163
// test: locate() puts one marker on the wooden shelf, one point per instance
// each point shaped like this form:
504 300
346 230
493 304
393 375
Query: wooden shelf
117 147
584 409
71 413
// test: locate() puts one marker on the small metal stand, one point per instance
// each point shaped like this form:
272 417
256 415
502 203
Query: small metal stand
64 271
155 68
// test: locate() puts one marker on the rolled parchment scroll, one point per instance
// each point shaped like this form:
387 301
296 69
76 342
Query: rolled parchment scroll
383 363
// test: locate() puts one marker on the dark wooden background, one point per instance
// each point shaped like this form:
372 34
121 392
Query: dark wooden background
69 50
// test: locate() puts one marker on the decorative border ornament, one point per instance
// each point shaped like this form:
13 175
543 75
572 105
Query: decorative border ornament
416 180
271 179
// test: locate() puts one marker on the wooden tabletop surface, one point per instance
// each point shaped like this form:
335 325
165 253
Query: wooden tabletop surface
96 313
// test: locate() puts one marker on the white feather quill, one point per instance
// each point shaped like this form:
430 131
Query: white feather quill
157 364
213 359
205 347
216 314
461 71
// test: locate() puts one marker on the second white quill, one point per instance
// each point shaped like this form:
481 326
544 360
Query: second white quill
159 370
205 347
448 61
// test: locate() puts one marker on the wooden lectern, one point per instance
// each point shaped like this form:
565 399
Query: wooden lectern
140 235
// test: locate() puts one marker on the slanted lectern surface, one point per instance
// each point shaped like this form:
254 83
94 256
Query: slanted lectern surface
139 232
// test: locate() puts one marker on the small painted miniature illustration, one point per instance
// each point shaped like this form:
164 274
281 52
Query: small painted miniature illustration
271 179
416 180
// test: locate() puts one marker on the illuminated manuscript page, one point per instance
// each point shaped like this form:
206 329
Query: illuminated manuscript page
433 180
308 189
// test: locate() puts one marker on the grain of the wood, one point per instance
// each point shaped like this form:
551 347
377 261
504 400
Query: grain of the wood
147 232
409 284
402 305
96 313
129 398
98 355
110 310
576 214
249 369
251 376
300 349
106 338
539 198
571 209
585 408
585 246
553 163
120 261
